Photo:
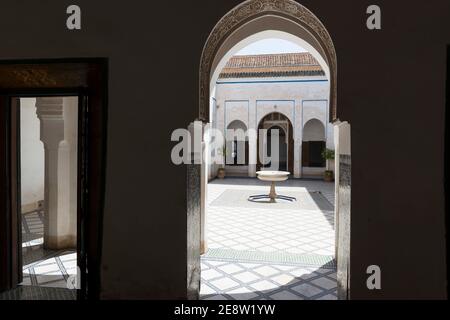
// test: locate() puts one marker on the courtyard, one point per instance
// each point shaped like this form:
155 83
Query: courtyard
269 251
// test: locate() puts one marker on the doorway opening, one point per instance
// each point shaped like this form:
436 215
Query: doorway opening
53 123
243 25
260 250
236 146
313 145
48 158
257 252
280 125
280 134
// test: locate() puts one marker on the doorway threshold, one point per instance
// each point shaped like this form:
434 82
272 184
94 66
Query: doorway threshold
39 293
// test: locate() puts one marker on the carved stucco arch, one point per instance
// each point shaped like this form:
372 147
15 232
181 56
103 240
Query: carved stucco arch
237 121
289 124
315 118
283 113
251 10
237 25
311 122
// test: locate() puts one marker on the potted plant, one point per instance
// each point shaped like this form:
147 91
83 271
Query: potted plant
328 155
221 171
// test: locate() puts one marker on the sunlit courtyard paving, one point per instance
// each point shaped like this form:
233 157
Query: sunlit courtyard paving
45 272
280 250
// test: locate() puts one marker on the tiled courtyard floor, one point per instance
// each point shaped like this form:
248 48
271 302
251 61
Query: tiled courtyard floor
265 250
256 251
45 272
41 267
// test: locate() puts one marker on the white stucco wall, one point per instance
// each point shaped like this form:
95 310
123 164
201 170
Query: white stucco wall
250 99
32 156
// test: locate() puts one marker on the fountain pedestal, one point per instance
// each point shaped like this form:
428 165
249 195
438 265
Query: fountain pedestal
272 176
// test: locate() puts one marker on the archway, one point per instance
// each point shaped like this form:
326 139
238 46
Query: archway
250 19
313 144
247 20
237 148
277 132
270 122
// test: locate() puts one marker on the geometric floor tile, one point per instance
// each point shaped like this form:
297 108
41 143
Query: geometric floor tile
38 293
324 283
271 229
256 253
307 290
284 295
265 251
42 267
265 281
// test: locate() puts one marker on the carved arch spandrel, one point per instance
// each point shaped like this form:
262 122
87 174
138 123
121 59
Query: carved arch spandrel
253 9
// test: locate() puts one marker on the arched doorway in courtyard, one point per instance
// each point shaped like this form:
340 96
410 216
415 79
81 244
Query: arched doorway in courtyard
278 124
246 24
313 146
237 148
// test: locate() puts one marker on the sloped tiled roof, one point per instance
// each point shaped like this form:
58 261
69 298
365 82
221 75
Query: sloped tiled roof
272 65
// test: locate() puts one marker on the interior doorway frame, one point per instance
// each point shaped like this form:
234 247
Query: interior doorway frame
289 134
85 78
447 169
245 20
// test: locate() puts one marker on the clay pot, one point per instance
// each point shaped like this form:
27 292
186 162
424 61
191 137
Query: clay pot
221 173
328 176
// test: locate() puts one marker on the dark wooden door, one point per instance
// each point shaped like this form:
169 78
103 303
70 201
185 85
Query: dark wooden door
447 169
16 202
315 153
83 127
305 154
4 216
10 219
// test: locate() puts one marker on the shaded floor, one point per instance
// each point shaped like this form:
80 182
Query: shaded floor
265 250
38 293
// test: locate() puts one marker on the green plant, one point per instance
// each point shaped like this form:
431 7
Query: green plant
223 153
328 154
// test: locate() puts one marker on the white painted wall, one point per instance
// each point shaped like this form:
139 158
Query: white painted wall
300 99
32 156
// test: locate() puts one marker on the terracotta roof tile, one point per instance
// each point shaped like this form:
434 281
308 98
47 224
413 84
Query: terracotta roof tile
272 65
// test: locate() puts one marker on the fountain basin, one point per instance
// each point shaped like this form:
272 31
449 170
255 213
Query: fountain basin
273 175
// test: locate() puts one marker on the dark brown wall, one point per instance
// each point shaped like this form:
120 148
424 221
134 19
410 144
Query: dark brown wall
391 88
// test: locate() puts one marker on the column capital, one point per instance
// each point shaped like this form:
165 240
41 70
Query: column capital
49 108
50 113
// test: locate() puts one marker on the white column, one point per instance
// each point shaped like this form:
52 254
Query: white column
204 199
70 111
298 136
342 146
252 139
336 186
57 233
198 156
